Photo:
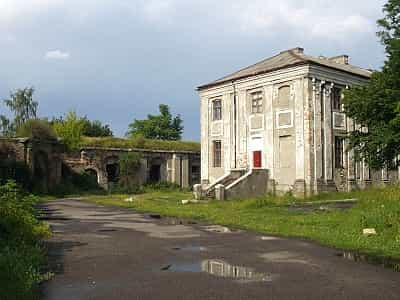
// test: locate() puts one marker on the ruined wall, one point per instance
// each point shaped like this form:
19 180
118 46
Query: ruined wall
43 157
155 166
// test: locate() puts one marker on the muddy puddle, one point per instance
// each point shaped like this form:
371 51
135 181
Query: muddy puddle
318 207
220 268
191 248
385 262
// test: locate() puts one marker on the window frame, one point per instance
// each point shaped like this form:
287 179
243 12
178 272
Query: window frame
217 110
339 152
217 154
337 99
257 102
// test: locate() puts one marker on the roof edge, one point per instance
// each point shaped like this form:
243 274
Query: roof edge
304 62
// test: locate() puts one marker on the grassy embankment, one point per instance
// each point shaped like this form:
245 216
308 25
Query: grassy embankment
140 143
22 256
376 208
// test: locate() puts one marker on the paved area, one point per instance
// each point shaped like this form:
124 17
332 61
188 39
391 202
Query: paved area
111 253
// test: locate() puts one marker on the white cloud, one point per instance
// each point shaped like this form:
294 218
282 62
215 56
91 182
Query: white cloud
156 9
13 9
57 55
306 18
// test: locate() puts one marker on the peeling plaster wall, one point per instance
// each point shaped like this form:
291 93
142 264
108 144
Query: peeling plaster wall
297 135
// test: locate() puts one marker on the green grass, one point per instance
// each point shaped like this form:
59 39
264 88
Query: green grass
140 143
377 208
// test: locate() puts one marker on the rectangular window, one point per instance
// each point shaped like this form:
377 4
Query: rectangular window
339 152
217 110
217 153
256 102
337 99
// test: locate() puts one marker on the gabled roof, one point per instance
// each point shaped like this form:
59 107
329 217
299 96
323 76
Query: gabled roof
287 59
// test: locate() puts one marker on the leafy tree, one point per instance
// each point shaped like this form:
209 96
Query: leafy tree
159 127
70 130
22 105
95 128
376 106
6 126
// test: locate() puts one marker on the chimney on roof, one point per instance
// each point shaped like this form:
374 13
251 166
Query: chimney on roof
297 50
341 59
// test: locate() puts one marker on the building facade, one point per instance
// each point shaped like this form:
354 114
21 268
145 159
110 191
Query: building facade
283 115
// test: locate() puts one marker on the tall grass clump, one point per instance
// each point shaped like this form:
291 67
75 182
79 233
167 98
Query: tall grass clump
21 252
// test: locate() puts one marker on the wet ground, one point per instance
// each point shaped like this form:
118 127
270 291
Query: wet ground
113 253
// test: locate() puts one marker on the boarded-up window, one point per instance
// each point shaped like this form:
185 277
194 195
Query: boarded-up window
285 119
217 110
217 154
256 102
284 96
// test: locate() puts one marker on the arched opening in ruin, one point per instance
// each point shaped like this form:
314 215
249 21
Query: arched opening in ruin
112 169
155 173
112 172
155 169
41 171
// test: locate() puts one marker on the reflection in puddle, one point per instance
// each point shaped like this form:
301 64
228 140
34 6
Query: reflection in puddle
220 268
191 248
385 262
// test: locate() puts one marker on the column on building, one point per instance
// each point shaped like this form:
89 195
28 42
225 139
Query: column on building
328 147
205 110
176 169
269 129
299 121
242 130
185 172
317 136
308 134
350 159
227 142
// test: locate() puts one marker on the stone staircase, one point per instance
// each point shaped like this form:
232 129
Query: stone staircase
225 181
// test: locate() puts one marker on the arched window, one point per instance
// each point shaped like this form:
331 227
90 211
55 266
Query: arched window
284 96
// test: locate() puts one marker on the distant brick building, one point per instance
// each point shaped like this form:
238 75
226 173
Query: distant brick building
282 116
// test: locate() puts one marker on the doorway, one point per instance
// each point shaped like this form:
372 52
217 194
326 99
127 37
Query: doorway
257 159
155 173
256 147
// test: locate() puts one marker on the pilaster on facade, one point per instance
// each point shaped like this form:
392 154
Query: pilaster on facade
205 140
269 129
308 134
328 155
299 129
317 92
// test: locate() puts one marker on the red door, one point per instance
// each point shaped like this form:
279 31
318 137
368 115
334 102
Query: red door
257 159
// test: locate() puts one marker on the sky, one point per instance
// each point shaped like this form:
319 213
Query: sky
117 60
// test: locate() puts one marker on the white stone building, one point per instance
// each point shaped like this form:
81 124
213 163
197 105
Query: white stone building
282 117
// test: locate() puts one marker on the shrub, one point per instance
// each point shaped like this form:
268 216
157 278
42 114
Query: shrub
70 130
38 129
129 164
77 183
10 169
21 253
